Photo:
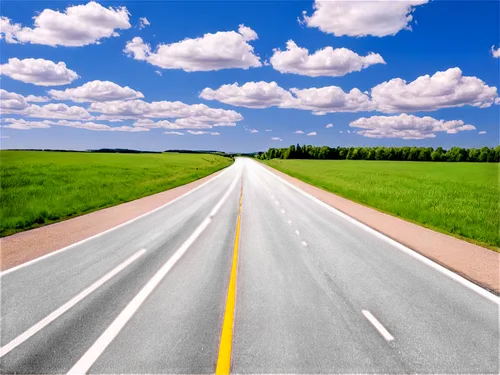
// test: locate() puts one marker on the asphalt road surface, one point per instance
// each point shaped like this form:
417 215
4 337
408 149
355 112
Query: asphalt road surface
310 291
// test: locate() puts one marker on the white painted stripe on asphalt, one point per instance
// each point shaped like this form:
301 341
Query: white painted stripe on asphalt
304 243
297 232
282 211
445 271
13 269
68 305
95 351
289 221
385 333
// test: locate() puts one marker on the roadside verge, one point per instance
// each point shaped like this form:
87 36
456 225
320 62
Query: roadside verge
475 263
25 246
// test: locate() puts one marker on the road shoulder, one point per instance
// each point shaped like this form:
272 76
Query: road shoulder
475 263
25 246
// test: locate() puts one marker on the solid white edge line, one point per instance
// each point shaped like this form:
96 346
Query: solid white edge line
13 269
95 351
385 333
68 305
450 274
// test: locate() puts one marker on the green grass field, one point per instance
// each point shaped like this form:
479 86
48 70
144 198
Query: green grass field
38 188
461 199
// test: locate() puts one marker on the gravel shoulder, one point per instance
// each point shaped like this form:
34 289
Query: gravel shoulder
475 263
31 244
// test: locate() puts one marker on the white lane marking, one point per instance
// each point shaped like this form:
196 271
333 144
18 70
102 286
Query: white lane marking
94 352
297 232
277 203
430 263
377 325
13 269
304 243
289 221
272 196
68 305
282 211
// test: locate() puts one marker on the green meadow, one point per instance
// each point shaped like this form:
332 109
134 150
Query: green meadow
38 188
461 199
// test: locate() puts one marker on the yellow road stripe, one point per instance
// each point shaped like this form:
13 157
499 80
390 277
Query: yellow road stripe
226 339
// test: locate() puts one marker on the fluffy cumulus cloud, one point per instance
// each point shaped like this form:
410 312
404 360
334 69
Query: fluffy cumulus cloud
298 132
482 132
143 22
10 101
96 91
77 26
222 50
361 18
407 126
37 99
251 94
39 72
495 52
201 132
22 124
329 126
137 109
312 134
324 62
429 93
269 94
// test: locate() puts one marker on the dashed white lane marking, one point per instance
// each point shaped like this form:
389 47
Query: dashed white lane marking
378 325
3 273
95 351
68 305
289 221
272 196
297 232
304 243
277 203
282 211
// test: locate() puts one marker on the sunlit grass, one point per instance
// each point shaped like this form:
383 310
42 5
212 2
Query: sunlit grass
461 199
43 187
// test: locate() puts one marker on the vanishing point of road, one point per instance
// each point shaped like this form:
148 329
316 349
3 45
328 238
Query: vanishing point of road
244 274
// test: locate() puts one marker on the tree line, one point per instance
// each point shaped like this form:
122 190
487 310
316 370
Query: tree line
455 154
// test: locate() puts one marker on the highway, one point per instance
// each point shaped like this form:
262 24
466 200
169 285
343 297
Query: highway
245 274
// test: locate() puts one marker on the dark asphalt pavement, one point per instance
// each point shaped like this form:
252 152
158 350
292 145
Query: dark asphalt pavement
315 293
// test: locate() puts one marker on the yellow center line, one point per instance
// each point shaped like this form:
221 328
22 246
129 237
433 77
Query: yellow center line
226 339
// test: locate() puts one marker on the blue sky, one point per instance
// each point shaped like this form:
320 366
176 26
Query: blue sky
443 35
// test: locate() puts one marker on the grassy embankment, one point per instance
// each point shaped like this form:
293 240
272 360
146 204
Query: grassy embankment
461 199
38 188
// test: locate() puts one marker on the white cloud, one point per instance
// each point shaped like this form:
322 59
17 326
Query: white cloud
21 124
429 93
349 131
158 73
341 132
143 22
268 94
362 18
39 72
96 91
37 99
495 52
329 126
268 130
12 103
482 132
251 94
298 132
4 137
311 134
78 26
222 50
253 131
407 126
136 109
200 132
277 139
174 133
324 62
